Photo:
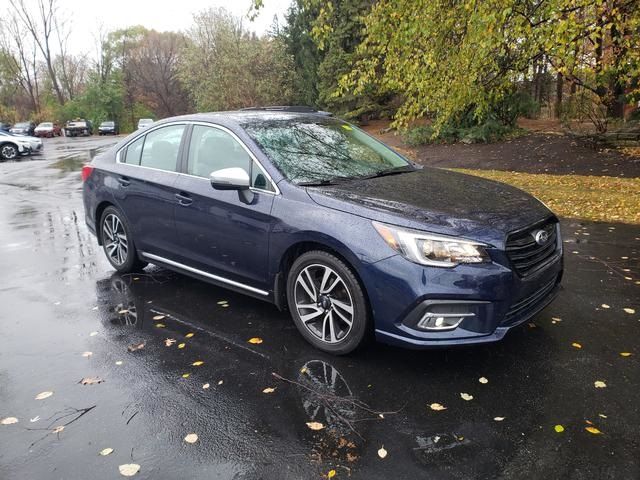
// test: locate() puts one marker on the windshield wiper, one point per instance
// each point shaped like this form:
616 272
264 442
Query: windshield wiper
389 171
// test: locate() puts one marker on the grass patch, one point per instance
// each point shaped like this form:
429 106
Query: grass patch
601 199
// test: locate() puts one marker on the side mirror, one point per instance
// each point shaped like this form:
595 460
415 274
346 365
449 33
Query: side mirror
230 179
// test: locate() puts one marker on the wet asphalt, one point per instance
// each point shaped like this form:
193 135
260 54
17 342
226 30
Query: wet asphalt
59 299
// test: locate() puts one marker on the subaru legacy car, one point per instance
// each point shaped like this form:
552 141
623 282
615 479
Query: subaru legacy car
309 212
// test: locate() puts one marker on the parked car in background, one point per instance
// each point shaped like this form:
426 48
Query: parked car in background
47 129
23 128
108 128
144 123
313 214
5 127
79 126
13 146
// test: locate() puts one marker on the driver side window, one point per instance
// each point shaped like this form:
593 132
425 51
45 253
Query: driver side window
213 149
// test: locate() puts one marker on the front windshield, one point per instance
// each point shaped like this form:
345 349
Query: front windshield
107 124
21 125
46 125
312 149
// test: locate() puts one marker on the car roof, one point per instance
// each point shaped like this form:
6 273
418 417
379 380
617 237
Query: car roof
243 117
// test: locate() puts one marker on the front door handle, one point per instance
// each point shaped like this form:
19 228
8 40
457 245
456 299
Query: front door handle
124 181
184 199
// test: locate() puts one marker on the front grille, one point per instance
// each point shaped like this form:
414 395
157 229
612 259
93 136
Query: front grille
526 255
524 307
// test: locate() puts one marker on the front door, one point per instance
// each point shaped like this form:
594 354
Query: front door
224 232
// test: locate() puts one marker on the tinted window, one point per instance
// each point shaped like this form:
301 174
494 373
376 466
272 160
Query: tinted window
314 149
213 149
160 149
133 152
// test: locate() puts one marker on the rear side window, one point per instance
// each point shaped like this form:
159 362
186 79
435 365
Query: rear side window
161 146
132 156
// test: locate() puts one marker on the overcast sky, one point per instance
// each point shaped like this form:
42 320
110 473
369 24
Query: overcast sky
154 14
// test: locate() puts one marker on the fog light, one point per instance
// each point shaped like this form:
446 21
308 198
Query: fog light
442 321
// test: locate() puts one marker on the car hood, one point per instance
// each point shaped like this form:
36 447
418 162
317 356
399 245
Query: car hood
438 201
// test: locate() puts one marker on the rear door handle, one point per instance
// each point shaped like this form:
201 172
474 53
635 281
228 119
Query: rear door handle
184 199
124 181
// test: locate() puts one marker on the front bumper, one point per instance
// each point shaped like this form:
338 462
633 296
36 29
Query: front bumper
492 296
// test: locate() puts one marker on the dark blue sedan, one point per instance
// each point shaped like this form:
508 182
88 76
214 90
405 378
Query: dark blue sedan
306 211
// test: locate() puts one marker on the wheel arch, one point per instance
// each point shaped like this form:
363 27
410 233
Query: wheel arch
102 206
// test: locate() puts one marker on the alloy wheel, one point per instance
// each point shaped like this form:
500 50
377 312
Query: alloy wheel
116 244
324 303
9 152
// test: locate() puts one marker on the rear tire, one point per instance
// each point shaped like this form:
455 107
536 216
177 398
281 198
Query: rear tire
327 303
117 242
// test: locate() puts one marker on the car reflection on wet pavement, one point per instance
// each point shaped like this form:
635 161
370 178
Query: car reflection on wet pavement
60 301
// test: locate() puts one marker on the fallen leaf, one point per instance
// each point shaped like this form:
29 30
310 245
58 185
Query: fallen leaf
169 341
331 474
9 421
93 334
556 319
34 419
91 380
625 354
135 347
119 362
483 380
576 345
269 390
186 375
191 438
43 395
255 340
129 469
437 407
158 317
315 425
220 382
188 335
602 415
182 345
222 302
532 325
604 305
87 354
498 419
466 396
593 430
225 305
205 386
382 452
599 384
630 311
197 363
122 312
58 429
559 428
303 370
160 325
106 451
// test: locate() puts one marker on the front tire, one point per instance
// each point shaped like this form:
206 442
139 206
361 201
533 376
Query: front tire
117 242
8 151
327 303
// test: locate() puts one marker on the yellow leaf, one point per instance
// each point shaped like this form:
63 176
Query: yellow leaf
255 340
197 363
158 317
599 384
315 425
303 370
625 354
8 421
604 305
466 396
188 335
498 419
577 345
331 474
483 380
160 325
437 407
191 438
205 386
186 375
181 345
559 428
269 390
630 311
129 469
382 452
593 430
106 451
43 395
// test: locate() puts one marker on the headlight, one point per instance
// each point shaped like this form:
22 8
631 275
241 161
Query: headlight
434 250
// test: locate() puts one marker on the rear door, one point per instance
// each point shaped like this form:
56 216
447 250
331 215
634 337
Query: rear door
220 231
147 173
